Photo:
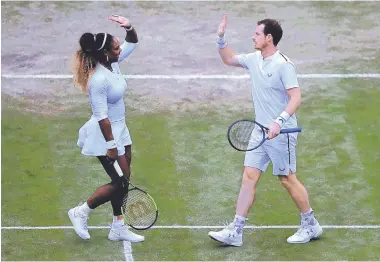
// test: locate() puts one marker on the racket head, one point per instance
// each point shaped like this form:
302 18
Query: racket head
139 209
239 135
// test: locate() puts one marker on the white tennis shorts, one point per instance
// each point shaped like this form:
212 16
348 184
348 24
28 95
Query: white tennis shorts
281 151
93 143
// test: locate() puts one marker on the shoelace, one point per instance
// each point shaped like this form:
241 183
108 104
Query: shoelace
113 229
304 226
228 225
84 222
231 225
83 218
121 227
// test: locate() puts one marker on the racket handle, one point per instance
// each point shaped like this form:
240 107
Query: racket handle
118 168
291 130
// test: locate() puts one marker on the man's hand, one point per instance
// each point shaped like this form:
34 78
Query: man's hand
222 26
274 130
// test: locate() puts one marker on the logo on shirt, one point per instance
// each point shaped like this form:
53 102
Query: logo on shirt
269 75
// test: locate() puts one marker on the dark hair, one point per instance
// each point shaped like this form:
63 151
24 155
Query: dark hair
92 43
91 51
272 27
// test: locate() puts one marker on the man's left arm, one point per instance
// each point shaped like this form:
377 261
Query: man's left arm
294 94
289 79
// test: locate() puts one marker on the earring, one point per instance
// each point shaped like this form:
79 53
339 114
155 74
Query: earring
107 57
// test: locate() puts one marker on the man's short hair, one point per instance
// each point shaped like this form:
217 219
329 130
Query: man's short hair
273 27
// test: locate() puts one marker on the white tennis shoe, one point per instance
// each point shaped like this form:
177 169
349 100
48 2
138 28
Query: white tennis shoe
306 233
228 236
79 221
121 233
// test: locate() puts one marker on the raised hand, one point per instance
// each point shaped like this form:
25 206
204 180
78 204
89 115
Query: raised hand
222 26
124 22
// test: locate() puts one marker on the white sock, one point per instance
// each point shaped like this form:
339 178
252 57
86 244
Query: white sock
85 208
308 217
118 222
239 222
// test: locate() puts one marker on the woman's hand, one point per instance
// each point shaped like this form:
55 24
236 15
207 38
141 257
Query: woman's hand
111 155
124 22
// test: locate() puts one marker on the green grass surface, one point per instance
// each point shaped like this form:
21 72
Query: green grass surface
185 162
183 159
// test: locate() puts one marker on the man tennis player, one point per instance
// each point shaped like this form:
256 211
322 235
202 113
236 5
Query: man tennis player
276 96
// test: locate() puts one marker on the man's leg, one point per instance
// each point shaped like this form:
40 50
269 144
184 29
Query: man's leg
255 163
310 228
233 233
282 151
246 198
297 191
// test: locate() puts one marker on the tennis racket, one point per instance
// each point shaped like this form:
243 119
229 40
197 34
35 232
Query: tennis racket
240 134
138 207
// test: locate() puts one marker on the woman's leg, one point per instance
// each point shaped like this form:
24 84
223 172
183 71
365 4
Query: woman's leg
118 231
79 215
116 192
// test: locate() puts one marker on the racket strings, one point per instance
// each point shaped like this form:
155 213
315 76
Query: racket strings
139 209
240 134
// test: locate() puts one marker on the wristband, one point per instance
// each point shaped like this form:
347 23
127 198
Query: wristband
222 42
284 116
111 144
128 29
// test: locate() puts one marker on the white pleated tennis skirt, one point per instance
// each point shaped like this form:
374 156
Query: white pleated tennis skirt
92 142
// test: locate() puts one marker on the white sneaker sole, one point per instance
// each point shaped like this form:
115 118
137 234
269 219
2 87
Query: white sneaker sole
316 236
216 238
117 238
71 216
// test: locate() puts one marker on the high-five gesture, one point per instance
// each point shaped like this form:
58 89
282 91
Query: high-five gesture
222 26
124 22
226 53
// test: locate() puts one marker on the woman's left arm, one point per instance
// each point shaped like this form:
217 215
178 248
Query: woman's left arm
131 39
131 36
129 45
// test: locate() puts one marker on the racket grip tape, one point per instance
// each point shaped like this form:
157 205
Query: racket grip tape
291 130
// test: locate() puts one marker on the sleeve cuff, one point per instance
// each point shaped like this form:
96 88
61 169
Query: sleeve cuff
99 118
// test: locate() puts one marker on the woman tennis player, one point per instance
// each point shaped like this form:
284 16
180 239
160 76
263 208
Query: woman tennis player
105 135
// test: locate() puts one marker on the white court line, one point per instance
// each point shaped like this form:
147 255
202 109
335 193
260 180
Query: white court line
194 227
128 251
128 247
194 76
